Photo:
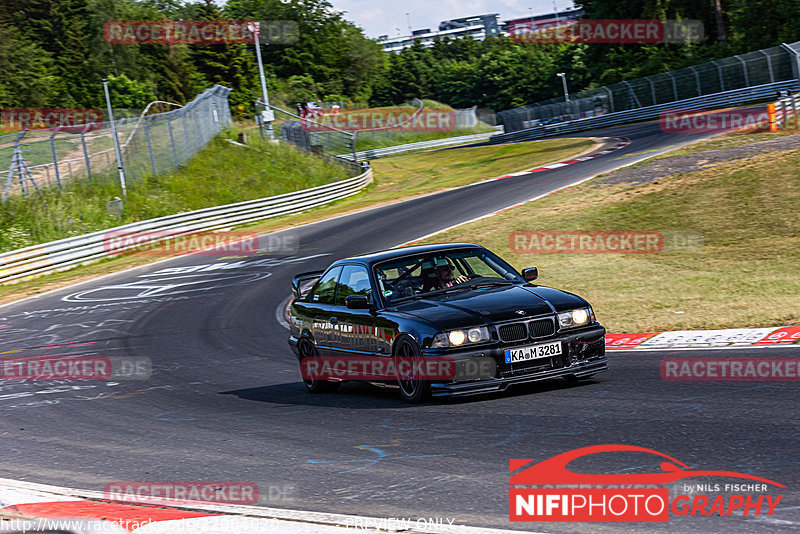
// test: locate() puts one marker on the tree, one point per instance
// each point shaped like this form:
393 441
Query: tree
59 27
129 94
333 51
763 23
28 77
231 65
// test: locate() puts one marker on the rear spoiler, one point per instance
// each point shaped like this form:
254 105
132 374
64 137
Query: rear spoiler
302 283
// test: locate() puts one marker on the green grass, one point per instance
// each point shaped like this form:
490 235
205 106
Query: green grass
422 172
745 274
221 173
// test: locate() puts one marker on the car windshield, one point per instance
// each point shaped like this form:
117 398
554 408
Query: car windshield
417 275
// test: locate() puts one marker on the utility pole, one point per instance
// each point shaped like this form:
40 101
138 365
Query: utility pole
268 114
564 83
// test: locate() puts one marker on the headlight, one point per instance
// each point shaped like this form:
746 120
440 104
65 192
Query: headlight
575 318
456 338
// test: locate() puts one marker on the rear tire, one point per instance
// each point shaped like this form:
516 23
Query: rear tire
314 385
413 388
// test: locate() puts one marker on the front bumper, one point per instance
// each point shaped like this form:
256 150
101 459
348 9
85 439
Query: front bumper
583 355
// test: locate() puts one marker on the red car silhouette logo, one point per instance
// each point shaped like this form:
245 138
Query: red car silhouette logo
554 470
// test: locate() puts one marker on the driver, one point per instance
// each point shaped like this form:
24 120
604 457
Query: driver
444 274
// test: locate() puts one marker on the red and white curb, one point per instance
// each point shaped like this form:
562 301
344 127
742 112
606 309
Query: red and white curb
728 337
30 507
622 143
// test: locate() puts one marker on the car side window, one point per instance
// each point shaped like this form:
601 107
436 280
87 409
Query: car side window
354 281
325 290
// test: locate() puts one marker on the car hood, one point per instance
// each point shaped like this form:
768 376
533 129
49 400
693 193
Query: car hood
485 305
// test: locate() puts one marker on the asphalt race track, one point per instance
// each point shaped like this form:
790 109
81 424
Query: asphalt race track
225 401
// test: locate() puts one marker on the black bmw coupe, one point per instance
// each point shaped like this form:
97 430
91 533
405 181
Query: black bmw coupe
448 319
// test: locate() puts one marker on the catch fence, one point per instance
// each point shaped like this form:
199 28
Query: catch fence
763 68
150 144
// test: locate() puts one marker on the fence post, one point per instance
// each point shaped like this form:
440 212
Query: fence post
55 157
172 143
86 152
744 70
215 115
721 79
697 79
187 144
632 93
674 87
149 145
610 98
796 60
198 132
769 66
652 89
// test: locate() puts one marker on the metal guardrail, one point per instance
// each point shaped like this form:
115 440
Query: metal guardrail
65 253
726 99
788 107
421 145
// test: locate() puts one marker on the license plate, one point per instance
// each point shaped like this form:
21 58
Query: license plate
533 352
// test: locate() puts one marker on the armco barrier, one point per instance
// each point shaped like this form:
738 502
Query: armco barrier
725 99
421 145
65 253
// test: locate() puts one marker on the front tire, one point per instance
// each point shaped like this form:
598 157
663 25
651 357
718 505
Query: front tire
413 388
314 385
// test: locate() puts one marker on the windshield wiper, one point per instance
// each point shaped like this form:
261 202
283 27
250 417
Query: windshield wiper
487 283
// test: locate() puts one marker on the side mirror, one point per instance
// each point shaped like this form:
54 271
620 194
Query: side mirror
357 302
530 274
302 283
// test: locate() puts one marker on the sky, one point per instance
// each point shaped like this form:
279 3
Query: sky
388 17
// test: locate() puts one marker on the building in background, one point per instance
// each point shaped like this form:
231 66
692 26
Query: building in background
478 27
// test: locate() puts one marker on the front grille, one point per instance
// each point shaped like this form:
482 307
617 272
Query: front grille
513 332
542 328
